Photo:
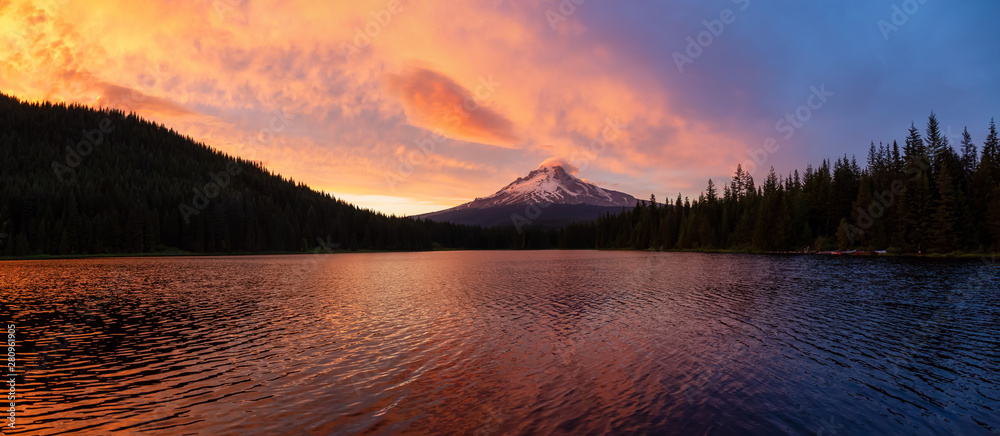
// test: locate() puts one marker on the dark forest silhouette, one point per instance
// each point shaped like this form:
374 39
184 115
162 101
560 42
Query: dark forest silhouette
76 180
923 197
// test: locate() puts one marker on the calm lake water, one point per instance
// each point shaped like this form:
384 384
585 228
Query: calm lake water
485 343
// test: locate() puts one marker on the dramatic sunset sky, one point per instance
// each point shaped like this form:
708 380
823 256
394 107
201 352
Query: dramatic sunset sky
348 96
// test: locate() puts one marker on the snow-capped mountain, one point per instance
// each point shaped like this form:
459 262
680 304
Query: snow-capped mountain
550 192
552 184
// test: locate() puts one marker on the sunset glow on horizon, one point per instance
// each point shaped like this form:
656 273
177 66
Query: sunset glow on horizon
409 107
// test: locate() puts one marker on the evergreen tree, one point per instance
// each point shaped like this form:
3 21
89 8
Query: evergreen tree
937 143
990 164
914 144
970 155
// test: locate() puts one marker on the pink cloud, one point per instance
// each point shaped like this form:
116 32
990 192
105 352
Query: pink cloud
435 102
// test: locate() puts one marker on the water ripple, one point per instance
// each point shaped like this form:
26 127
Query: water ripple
506 343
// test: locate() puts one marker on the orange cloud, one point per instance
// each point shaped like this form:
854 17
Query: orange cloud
435 102
216 71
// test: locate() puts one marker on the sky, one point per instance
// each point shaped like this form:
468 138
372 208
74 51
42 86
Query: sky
407 106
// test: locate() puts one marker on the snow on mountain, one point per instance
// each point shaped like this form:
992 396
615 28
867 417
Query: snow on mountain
552 184
549 196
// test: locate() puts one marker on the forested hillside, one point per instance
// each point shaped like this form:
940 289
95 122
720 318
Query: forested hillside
922 197
75 180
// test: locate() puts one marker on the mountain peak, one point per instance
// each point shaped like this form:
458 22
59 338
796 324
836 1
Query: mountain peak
555 162
551 166
553 183
552 186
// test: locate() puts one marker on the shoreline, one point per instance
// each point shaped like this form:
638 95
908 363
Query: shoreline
867 254
179 253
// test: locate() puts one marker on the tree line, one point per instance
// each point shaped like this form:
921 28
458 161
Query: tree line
922 197
76 180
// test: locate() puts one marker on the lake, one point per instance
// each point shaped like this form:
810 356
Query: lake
507 342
